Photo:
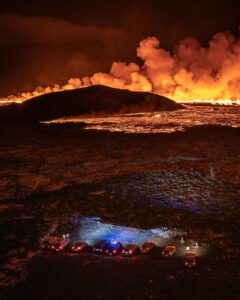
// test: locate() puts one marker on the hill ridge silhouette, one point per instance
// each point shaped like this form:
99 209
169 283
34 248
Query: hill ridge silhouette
96 98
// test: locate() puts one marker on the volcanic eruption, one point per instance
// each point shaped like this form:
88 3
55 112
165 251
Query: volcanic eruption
191 72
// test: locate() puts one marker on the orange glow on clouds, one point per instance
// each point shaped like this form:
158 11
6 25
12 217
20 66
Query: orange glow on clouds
191 73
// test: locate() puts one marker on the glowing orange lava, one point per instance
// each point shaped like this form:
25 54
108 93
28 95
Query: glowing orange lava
191 74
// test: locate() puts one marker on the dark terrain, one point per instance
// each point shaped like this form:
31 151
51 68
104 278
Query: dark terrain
51 171
83 101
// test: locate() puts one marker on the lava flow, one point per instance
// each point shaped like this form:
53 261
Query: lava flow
191 74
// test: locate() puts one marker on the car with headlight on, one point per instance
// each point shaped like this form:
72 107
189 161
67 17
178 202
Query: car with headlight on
44 244
147 247
78 246
58 243
67 227
99 248
168 251
130 249
113 248
190 259
63 231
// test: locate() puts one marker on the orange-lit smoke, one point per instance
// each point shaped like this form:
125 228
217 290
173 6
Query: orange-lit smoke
191 73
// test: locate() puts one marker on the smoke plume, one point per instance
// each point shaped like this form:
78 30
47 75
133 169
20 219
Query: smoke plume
190 72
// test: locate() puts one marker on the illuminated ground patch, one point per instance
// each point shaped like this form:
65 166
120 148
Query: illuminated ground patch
92 230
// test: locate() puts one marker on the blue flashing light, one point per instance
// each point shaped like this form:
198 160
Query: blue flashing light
93 230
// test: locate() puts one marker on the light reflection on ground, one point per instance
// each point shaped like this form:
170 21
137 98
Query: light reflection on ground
92 230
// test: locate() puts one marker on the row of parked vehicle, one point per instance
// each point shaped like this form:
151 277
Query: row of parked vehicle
112 248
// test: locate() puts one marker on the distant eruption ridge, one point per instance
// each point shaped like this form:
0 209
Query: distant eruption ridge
191 73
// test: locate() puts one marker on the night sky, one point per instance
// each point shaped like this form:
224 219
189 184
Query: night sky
48 42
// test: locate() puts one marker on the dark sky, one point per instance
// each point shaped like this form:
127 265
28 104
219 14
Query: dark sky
47 42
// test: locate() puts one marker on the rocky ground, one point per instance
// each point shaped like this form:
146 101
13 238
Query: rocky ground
187 180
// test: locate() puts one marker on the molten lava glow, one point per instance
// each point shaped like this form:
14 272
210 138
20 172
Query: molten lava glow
191 74
158 122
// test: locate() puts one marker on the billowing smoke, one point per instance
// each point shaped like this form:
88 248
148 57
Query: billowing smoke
191 72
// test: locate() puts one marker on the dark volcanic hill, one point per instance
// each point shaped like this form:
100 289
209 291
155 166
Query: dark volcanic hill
82 101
